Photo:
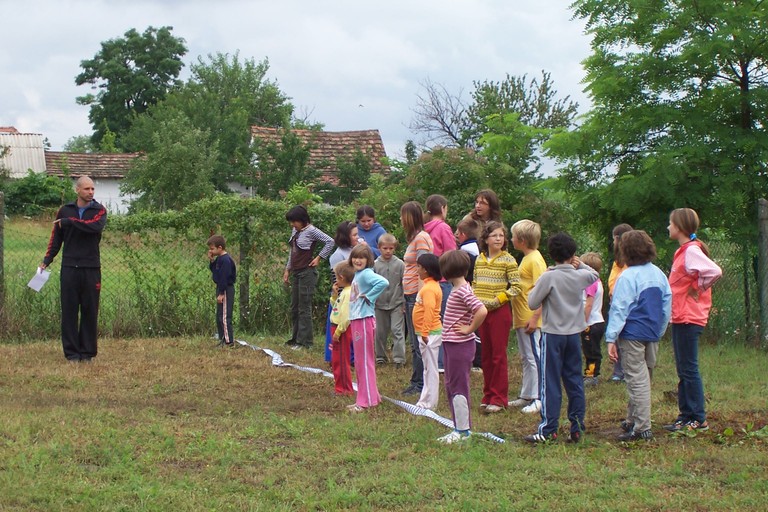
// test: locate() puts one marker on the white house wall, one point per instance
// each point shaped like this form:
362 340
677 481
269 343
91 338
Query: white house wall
108 193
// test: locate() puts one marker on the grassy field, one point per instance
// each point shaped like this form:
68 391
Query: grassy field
175 424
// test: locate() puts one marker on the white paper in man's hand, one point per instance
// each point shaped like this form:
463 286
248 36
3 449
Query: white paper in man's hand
39 279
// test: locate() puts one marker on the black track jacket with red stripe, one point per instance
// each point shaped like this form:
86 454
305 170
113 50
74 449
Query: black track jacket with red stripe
80 237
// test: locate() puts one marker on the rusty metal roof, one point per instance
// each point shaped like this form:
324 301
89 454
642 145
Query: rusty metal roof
95 165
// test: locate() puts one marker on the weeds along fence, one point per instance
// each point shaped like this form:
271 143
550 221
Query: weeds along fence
155 276
156 282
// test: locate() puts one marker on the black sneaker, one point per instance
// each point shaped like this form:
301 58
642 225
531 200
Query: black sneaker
413 391
676 426
291 343
540 438
645 435
627 426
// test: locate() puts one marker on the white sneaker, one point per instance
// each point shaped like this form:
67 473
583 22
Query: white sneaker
534 406
491 409
453 437
520 402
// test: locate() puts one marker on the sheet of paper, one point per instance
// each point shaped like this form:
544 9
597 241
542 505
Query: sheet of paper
39 279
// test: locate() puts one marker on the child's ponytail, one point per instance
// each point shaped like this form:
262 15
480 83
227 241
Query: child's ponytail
687 221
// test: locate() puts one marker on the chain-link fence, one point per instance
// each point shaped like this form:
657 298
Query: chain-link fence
157 283
735 314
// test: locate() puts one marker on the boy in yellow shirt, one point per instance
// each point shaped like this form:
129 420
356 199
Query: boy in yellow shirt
526 236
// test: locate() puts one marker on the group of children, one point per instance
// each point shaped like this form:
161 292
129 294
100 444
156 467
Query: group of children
475 290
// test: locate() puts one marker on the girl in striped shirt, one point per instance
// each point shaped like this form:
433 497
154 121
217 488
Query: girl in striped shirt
301 273
464 313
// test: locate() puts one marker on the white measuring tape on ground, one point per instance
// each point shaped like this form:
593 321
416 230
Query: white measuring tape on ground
277 360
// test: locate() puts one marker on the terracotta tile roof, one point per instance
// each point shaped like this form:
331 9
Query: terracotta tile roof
8 129
328 146
95 165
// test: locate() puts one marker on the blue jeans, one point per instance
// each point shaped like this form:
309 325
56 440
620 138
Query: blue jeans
690 388
417 377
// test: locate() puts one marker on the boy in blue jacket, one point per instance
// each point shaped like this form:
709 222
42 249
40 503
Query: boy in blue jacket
640 311
224 274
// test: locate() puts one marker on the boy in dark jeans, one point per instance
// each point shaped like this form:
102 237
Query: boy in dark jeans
224 273
560 291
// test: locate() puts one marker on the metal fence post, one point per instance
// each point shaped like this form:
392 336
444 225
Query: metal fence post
2 251
762 265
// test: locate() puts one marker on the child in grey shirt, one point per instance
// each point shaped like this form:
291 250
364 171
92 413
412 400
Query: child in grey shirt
559 292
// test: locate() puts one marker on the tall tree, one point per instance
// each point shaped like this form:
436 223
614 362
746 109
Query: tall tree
177 169
439 117
535 103
447 119
228 96
131 74
225 96
680 95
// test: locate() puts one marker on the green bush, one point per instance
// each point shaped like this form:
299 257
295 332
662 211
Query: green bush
35 193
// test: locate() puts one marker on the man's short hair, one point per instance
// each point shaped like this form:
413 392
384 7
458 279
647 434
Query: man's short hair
81 180
217 241
527 231
637 248
454 264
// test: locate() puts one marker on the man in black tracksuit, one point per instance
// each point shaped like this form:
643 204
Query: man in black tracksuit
78 226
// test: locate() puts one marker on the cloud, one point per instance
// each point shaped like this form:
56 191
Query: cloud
329 57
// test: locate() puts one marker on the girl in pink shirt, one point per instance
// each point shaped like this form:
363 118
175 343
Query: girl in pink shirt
691 278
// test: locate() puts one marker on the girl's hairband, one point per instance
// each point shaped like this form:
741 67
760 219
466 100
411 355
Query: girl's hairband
693 236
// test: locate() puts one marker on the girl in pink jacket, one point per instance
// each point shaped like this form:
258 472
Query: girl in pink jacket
691 279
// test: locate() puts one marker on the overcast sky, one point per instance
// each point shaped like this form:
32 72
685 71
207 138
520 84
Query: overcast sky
353 65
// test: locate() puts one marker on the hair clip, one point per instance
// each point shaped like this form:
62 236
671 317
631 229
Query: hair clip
693 236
